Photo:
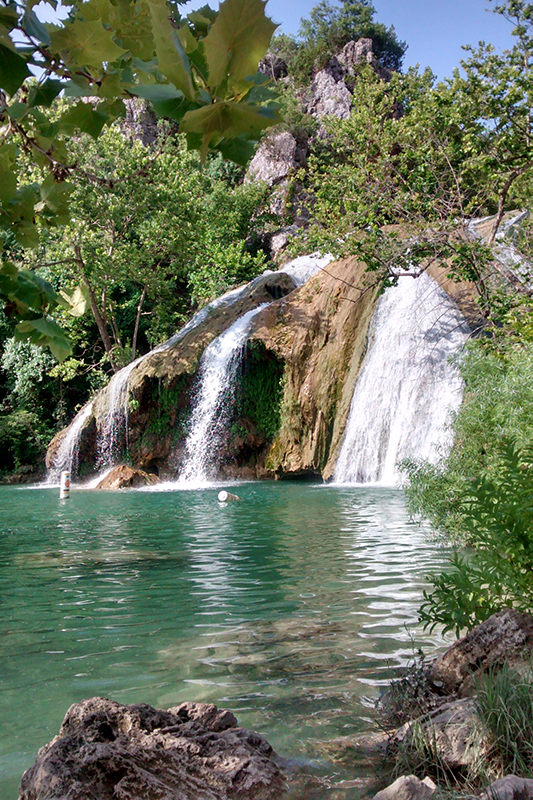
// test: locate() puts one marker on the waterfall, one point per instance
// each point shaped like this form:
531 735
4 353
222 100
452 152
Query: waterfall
66 457
216 383
407 388
112 432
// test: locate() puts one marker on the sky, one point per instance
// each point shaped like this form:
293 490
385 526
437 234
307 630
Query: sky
435 30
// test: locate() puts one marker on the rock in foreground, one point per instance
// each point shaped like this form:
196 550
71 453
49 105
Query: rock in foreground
503 638
124 477
195 751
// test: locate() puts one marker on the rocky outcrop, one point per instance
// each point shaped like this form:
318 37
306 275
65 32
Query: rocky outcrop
319 333
277 159
124 477
194 751
503 638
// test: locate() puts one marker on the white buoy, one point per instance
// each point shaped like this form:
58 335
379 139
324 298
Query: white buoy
64 486
225 497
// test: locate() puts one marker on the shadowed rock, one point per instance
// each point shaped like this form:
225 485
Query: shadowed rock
194 751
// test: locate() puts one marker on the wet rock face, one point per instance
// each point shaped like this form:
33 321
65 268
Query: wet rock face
194 751
124 477
502 638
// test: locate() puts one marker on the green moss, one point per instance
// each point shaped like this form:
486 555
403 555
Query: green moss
260 390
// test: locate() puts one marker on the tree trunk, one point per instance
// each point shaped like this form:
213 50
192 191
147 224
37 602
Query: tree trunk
137 321
102 329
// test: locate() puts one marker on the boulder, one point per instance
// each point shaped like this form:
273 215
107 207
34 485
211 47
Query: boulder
503 638
408 787
452 733
195 751
511 787
124 477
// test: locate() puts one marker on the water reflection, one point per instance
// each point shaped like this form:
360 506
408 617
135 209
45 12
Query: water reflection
292 608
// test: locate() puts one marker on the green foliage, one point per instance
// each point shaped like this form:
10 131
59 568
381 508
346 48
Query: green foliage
200 71
498 403
328 29
497 512
261 389
504 702
23 439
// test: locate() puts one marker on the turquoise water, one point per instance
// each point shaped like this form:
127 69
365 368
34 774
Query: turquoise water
292 608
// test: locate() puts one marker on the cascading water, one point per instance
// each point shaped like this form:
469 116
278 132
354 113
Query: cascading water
113 431
216 383
66 457
407 387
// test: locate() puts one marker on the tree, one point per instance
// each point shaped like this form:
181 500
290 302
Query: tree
200 72
328 29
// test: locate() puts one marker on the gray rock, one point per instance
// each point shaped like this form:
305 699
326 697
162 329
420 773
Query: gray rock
276 157
330 97
106 751
502 638
408 787
140 121
511 787
452 734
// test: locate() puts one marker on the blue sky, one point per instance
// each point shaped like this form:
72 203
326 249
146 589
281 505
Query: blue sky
433 29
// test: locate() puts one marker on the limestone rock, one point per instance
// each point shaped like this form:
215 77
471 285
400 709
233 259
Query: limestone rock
276 157
408 787
124 477
330 97
502 638
141 121
320 333
453 733
511 787
194 751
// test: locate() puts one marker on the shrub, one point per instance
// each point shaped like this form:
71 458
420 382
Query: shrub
497 512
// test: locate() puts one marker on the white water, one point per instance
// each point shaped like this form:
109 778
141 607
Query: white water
407 388
213 398
113 431
66 457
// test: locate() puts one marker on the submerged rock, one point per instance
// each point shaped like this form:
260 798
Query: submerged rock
408 787
194 751
124 477
503 638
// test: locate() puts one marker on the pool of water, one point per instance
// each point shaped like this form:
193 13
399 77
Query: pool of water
292 608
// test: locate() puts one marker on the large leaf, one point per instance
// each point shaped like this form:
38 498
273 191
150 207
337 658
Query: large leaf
86 43
45 93
84 117
13 70
237 40
171 56
8 178
78 301
44 331
228 119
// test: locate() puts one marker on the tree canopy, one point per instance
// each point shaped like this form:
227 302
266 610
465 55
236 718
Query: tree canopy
199 71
